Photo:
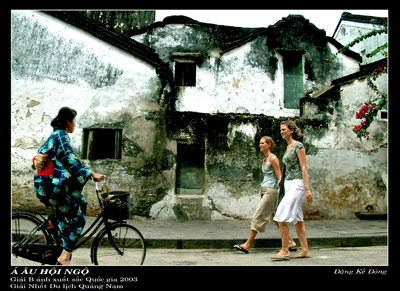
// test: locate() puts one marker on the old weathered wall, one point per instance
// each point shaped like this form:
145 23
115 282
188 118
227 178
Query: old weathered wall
238 98
247 78
350 30
54 65
346 181
122 21
232 164
346 173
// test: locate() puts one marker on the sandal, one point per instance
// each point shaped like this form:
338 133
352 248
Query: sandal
241 248
279 257
293 248
301 256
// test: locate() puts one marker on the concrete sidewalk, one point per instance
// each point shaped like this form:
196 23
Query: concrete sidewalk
224 234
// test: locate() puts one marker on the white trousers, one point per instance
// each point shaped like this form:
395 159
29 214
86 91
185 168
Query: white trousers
289 210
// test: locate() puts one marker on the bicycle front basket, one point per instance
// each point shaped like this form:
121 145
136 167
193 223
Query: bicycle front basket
117 208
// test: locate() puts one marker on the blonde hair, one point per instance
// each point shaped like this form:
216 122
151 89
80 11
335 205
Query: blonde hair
291 125
270 141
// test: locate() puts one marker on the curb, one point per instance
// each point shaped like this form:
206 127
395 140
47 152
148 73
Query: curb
355 241
225 234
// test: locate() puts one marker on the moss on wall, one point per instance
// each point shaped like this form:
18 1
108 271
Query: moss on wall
39 54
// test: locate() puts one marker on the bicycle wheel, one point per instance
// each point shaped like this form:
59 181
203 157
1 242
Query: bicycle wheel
23 226
119 244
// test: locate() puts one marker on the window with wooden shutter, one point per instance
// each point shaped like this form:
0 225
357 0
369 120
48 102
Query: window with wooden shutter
293 79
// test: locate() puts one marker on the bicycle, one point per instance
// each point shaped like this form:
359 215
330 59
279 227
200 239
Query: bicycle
35 238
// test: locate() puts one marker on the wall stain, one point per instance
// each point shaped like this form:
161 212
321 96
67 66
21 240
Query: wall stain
48 56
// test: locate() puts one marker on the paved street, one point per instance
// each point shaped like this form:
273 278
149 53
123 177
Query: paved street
209 243
261 257
350 256
167 234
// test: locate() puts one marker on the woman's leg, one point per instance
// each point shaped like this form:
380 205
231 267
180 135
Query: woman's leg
263 214
253 234
301 233
70 215
292 244
284 252
284 229
250 240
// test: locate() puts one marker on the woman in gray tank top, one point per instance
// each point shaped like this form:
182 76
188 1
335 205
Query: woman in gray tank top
269 195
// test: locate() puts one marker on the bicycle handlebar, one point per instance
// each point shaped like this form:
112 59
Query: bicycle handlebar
100 187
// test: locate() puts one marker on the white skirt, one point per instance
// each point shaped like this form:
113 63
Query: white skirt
289 210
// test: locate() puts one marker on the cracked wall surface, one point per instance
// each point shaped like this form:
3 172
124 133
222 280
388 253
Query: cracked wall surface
55 64
238 98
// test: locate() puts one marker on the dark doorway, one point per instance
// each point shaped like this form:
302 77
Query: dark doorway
190 169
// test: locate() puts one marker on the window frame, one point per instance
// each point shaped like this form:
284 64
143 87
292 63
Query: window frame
188 60
290 101
89 142
186 76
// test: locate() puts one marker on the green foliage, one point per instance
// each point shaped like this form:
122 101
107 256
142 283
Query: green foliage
369 110
361 38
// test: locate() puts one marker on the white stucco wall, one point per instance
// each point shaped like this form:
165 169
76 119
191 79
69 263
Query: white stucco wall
38 92
350 30
228 82
138 87
346 174
232 85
